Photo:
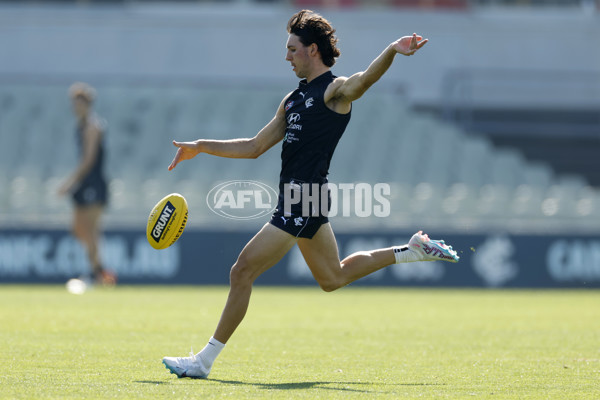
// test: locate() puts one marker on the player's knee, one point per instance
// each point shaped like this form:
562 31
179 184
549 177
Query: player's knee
241 273
330 285
236 274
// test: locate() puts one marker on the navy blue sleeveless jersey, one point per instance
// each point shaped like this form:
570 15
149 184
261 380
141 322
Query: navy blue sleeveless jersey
93 188
312 132
311 136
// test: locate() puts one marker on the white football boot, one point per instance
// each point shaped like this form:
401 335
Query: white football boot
432 250
187 367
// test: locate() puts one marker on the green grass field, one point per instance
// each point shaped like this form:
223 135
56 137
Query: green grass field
302 343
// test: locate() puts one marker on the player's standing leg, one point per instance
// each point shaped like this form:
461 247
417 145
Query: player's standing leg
86 227
263 251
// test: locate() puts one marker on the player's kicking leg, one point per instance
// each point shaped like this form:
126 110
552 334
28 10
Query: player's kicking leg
321 255
262 252
428 249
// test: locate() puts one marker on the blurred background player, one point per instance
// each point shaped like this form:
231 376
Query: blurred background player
87 184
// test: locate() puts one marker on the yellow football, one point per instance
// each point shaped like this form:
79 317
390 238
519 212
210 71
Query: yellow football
167 221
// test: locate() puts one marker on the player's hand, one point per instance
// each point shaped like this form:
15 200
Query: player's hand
185 151
408 45
62 190
65 188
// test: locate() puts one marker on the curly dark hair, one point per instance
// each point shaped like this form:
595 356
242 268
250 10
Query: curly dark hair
311 28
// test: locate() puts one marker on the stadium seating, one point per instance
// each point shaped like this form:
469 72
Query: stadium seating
438 174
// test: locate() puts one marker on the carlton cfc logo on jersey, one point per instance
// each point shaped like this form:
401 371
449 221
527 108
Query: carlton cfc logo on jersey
289 105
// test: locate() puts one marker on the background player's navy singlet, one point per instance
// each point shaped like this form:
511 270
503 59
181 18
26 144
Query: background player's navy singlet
311 136
93 187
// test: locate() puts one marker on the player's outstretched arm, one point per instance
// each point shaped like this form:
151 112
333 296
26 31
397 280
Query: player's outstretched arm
235 148
350 89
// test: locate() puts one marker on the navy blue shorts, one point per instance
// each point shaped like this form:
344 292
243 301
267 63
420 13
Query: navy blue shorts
297 223
301 227
91 193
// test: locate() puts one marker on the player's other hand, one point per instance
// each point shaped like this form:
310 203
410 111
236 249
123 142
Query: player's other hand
185 151
65 188
62 190
408 45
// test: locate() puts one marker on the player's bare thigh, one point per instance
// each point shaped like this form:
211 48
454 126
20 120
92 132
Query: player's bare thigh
87 220
262 252
322 256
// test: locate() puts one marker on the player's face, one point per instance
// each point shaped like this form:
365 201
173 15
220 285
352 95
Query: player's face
297 55
80 107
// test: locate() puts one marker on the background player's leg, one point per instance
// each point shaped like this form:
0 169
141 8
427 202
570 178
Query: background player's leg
322 256
263 251
86 227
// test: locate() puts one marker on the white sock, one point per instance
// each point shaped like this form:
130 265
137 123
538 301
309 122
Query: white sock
404 255
210 352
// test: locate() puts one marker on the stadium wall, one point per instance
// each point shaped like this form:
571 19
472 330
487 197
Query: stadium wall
203 257
228 43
